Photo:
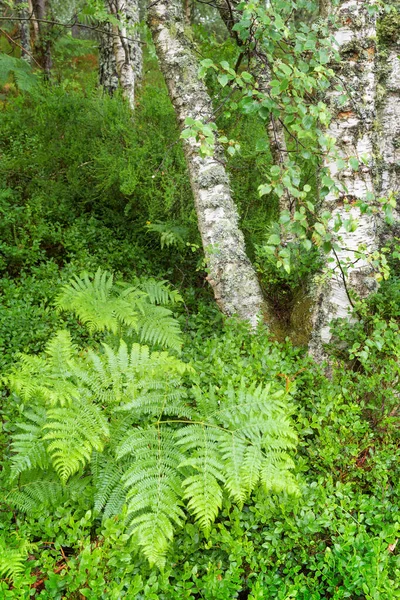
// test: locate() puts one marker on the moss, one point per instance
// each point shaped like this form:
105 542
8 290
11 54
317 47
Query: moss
388 29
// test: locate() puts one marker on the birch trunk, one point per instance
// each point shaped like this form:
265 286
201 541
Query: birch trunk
126 46
389 106
275 129
353 129
108 76
43 42
24 30
231 275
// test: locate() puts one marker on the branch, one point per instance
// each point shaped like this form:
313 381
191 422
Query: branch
70 25
343 277
19 46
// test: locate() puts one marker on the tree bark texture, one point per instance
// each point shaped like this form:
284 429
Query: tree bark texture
231 275
353 128
275 129
24 30
43 42
126 45
108 76
388 137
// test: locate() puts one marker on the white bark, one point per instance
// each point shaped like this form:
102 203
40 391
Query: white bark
389 107
108 76
126 44
231 274
353 130
24 30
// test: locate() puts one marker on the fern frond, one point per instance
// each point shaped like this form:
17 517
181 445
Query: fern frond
276 474
93 300
160 292
140 381
202 490
28 445
38 491
24 77
103 305
233 450
154 489
158 326
73 434
12 562
110 493
49 379
251 467
170 233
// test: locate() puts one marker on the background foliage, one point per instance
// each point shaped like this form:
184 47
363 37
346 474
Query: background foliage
82 187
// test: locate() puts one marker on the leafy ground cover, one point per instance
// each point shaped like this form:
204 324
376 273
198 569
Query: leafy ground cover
80 190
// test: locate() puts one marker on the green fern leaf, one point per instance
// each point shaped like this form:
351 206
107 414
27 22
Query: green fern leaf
154 489
38 490
23 75
110 493
202 489
49 379
28 445
160 292
12 562
103 305
93 300
73 435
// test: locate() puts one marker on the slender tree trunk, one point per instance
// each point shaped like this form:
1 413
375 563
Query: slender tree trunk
43 42
388 138
231 275
35 27
127 52
24 30
277 139
108 76
275 129
353 129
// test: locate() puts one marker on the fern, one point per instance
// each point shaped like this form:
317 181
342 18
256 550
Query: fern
170 234
28 445
37 491
154 489
73 435
139 380
104 305
12 562
121 417
202 489
160 292
94 301
48 379
110 493
21 71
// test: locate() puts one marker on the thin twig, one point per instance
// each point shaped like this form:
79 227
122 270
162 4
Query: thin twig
75 23
343 277
19 46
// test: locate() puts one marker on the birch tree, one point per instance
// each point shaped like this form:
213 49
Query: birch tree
230 14
351 168
230 273
126 47
24 30
43 42
108 76
388 135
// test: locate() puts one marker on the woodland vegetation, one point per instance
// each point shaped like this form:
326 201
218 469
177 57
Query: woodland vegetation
199 299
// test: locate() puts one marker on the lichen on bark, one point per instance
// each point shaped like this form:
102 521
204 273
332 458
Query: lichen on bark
230 273
353 128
